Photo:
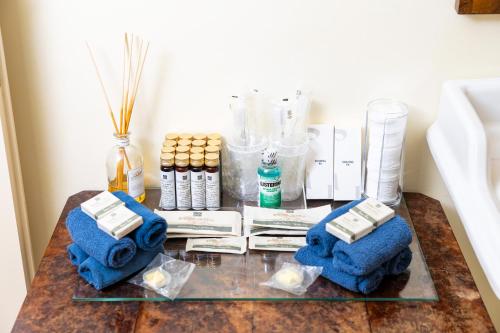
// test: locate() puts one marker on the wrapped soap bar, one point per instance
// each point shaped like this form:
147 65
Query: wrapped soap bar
349 227
119 222
100 205
373 211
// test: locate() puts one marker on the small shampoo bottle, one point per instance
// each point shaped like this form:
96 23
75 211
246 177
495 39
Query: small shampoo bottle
269 180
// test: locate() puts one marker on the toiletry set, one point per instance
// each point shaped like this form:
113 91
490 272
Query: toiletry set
189 172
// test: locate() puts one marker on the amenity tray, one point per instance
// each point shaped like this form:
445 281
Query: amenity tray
229 277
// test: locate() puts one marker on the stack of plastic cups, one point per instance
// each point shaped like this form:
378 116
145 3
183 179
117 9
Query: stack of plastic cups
384 149
292 160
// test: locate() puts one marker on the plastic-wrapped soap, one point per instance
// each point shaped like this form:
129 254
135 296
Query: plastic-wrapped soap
289 277
156 278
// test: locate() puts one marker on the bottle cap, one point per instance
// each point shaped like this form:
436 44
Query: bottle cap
184 142
167 159
171 136
212 149
200 136
196 150
182 160
214 143
212 160
269 157
196 160
198 143
185 136
214 136
167 149
181 149
169 143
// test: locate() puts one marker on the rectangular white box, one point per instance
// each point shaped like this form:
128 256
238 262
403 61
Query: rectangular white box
119 222
349 227
100 205
347 164
319 167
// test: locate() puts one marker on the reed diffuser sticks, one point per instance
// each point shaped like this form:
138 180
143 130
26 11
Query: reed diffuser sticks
135 51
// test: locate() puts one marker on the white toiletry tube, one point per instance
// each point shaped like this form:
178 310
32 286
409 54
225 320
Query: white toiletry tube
319 167
347 164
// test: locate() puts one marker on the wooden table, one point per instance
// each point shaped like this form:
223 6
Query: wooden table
48 307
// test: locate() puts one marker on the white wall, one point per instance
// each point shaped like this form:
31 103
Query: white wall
12 277
346 52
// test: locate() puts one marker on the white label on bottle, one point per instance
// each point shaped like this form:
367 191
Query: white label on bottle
167 184
198 189
183 189
135 180
213 190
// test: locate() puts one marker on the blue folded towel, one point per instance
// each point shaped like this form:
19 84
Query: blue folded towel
370 252
76 254
363 283
96 243
399 263
319 239
101 277
153 231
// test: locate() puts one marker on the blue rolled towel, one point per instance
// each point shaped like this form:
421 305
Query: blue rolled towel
370 252
96 243
153 231
76 254
363 283
101 276
399 263
319 239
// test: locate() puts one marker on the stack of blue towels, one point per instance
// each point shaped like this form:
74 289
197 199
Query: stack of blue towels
103 260
362 265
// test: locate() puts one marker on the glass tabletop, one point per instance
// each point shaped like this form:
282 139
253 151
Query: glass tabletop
220 276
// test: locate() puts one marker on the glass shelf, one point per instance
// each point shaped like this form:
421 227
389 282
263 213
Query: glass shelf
232 277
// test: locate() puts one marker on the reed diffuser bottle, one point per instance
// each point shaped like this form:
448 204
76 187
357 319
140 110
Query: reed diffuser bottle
124 165
124 162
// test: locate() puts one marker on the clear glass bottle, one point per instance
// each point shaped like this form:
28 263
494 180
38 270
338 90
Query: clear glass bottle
125 168
269 180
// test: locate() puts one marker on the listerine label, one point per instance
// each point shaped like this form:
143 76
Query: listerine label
269 191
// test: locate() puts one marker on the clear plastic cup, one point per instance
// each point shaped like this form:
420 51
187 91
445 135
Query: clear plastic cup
292 160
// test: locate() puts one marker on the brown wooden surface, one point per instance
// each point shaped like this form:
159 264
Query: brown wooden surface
478 6
48 307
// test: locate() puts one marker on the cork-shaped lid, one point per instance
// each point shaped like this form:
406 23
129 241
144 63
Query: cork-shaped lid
171 136
212 149
197 150
167 159
166 149
200 136
199 143
212 160
214 136
182 149
184 142
185 136
196 160
169 143
182 160
214 143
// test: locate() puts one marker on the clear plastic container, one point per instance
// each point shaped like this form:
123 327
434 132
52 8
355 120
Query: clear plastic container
383 152
239 169
292 160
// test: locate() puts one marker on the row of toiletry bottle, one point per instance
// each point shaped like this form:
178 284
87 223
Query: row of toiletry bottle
190 175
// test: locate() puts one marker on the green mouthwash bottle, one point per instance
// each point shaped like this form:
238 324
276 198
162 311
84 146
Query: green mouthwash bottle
269 180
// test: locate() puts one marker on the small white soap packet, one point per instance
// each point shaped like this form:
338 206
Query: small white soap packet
293 278
164 275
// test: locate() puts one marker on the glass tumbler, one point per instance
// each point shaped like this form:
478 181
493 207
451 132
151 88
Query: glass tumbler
383 150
